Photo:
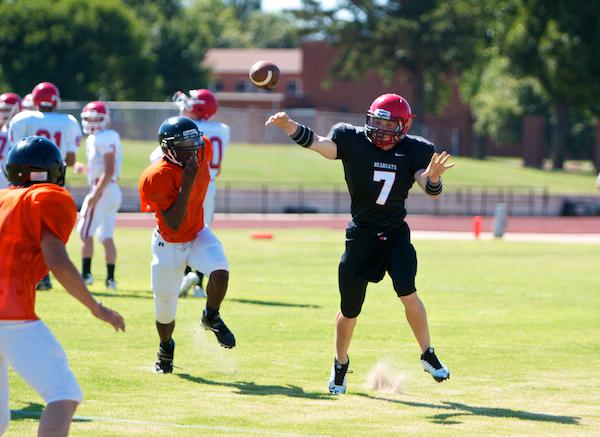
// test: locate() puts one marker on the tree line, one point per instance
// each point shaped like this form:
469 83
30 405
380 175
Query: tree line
509 57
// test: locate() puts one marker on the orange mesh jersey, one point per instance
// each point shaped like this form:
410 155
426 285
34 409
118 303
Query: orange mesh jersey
24 212
159 187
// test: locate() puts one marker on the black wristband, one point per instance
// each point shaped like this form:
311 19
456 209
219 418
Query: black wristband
433 189
303 136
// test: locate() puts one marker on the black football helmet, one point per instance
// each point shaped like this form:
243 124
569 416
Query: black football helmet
179 134
35 160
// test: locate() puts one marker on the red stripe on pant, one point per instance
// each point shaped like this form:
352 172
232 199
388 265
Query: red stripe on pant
87 223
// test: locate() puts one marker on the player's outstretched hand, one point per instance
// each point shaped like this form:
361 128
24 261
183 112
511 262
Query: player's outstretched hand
283 122
190 170
110 316
437 166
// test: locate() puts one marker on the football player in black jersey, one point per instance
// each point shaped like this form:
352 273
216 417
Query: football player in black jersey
381 163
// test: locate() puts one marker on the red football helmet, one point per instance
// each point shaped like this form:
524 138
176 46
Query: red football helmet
10 104
200 104
27 103
45 95
390 107
95 116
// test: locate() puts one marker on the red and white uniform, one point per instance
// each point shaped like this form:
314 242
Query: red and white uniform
191 244
4 149
62 129
25 341
101 218
219 135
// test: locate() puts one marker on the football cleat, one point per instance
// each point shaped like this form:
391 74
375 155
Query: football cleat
217 325
338 377
164 362
199 292
88 279
44 284
432 365
188 281
111 284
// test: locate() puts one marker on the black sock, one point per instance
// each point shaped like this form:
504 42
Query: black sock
110 271
200 278
210 313
187 270
86 266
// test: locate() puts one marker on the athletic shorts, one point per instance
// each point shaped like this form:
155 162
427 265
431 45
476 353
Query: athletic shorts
34 353
102 217
369 254
204 253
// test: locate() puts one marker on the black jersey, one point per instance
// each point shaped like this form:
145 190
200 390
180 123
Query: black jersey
379 180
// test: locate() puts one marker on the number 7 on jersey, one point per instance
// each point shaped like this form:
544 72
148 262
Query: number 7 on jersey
388 178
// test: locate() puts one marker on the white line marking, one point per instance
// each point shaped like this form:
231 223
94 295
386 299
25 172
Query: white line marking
173 425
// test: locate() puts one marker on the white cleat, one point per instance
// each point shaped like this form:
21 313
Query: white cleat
432 365
199 292
88 279
111 284
338 378
188 282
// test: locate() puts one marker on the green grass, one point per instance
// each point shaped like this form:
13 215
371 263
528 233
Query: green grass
517 323
288 165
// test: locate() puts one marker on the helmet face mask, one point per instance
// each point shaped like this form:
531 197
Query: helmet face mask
95 116
179 139
34 160
201 104
389 119
10 104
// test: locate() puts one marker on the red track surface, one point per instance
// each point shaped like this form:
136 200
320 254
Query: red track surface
547 225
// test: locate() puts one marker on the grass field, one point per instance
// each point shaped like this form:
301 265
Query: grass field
517 323
285 165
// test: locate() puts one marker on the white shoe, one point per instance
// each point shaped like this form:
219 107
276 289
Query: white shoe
199 292
111 284
188 282
338 377
432 365
88 279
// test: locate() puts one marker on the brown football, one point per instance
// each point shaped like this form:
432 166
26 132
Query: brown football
264 74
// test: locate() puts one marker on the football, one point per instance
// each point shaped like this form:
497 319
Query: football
264 74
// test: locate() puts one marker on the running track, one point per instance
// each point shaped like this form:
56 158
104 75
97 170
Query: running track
542 225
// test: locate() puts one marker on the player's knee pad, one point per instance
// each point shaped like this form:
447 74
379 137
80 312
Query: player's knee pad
165 309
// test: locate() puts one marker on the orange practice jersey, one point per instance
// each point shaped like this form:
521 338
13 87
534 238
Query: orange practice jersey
159 187
24 212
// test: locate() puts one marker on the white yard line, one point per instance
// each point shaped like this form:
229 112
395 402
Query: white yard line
173 425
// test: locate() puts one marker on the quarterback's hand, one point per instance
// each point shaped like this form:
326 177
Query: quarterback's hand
109 316
283 122
437 166
190 170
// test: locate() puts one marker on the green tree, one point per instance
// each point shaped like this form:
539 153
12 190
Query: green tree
557 42
88 48
178 43
430 39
